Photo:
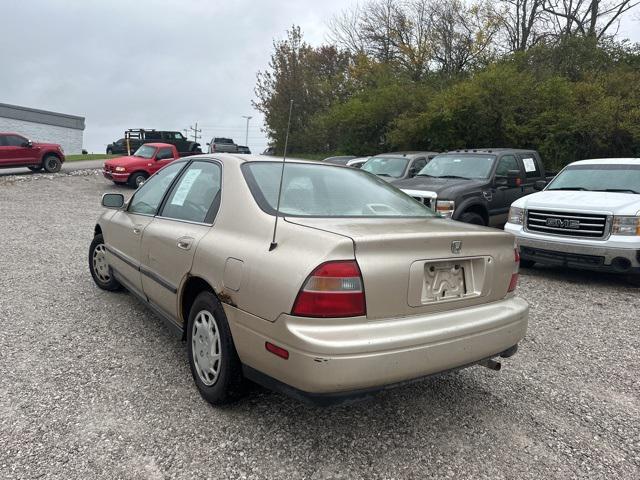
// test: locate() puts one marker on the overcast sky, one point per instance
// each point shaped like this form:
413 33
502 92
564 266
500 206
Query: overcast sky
161 64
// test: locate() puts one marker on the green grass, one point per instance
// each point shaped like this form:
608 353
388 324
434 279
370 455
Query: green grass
90 156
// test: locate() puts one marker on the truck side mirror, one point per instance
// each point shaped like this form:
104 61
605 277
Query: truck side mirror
28 144
112 200
513 179
539 185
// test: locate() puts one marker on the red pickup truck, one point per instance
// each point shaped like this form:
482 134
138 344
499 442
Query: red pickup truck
135 169
19 151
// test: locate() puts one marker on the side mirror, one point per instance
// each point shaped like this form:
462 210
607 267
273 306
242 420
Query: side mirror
539 185
112 200
513 179
28 144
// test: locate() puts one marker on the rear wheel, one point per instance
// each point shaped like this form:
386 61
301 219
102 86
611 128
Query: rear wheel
35 169
52 164
473 218
213 359
137 179
99 267
527 263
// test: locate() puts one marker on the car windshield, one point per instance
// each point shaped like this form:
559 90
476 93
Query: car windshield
386 166
145 151
459 166
311 190
606 178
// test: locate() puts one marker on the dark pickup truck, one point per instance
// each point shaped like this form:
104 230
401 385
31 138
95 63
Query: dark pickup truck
477 186
139 136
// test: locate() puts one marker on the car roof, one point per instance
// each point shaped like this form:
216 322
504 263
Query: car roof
158 144
252 157
492 150
409 155
608 161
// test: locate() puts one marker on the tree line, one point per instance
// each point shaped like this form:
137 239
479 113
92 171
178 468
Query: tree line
446 74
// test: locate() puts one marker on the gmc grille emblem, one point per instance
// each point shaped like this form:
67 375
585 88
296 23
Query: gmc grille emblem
563 223
456 247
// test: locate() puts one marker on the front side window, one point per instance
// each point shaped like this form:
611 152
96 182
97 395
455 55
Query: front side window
147 198
15 141
599 178
196 195
506 163
386 166
459 166
311 190
164 154
145 151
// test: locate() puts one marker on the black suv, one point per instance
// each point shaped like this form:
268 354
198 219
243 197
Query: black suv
477 186
138 137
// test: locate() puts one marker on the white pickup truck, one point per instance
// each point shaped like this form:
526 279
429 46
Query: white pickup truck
588 217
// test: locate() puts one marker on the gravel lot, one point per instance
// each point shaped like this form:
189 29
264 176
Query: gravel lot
92 385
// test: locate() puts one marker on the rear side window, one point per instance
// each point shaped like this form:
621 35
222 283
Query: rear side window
195 197
164 154
147 198
311 190
531 166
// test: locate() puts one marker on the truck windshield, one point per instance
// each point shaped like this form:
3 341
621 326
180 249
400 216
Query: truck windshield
311 190
145 151
599 178
386 166
459 166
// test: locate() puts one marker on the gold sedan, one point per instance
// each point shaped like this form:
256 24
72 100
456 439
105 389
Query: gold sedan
361 288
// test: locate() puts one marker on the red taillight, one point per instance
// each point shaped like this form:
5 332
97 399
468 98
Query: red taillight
334 289
514 277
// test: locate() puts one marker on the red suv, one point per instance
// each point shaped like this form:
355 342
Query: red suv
19 151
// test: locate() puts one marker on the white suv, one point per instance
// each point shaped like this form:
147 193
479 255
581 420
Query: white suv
588 217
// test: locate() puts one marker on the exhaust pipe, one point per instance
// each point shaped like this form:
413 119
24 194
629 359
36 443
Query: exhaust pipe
491 364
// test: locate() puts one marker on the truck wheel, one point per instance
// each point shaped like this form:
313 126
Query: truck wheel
473 218
52 164
213 359
137 179
35 169
527 263
109 151
98 266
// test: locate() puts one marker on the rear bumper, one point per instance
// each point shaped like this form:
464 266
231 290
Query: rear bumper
342 358
622 256
115 177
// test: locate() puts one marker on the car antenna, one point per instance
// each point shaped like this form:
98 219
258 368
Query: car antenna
274 244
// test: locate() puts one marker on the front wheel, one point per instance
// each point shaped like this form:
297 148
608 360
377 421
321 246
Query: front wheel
137 179
99 267
213 359
52 164
473 218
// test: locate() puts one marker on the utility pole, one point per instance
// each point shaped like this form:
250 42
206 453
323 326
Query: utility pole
195 132
246 136
186 132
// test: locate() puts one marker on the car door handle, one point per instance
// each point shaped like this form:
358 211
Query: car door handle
184 243
137 229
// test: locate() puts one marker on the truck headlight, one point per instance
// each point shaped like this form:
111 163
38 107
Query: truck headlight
445 207
121 169
516 215
625 225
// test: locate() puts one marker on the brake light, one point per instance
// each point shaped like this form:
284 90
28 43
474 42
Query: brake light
334 289
514 277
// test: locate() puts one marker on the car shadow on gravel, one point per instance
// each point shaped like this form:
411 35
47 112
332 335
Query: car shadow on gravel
586 277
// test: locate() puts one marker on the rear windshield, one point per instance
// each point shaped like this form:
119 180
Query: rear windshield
459 166
608 178
311 190
386 166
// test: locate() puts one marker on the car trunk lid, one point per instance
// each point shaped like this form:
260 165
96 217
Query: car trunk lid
419 266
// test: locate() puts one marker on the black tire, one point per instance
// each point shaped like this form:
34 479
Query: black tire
473 218
228 385
35 169
52 164
100 270
524 263
109 151
136 179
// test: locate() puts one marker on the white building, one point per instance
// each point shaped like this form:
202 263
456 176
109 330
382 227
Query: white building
43 126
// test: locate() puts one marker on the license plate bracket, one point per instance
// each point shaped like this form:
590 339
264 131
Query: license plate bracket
444 280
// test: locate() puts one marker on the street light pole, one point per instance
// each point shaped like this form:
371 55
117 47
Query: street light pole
246 136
